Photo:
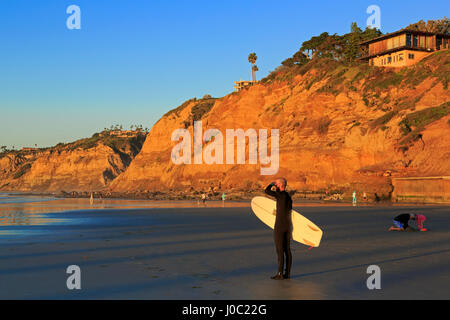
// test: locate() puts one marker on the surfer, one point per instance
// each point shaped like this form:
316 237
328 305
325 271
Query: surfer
401 222
283 227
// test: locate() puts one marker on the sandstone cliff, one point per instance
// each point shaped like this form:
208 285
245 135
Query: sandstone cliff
85 165
341 128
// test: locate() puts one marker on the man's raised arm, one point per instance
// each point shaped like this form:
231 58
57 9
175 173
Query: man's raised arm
269 191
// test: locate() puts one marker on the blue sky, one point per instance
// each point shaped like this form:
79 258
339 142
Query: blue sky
133 60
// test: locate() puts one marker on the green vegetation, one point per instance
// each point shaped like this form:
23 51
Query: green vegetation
114 139
202 108
415 122
382 79
439 26
180 108
384 119
343 49
252 57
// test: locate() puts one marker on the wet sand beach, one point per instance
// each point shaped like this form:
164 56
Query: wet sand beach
221 253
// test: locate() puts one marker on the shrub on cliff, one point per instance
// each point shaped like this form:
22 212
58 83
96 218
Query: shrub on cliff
412 124
202 108
24 169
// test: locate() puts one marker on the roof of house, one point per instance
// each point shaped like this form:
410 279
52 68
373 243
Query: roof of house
396 33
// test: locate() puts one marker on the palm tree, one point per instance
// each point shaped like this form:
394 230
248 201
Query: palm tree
254 69
252 59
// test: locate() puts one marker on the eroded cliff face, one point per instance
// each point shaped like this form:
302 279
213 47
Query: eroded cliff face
87 165
340 128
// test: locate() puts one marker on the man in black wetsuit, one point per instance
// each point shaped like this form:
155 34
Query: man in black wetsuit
283 227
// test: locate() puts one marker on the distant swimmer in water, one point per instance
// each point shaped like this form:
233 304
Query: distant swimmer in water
283 227
401 222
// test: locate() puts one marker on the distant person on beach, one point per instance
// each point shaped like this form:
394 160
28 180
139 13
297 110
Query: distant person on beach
401 222
204 198
283 227
223 199
354 198
364 196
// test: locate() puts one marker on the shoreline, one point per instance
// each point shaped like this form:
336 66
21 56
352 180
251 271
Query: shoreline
233 198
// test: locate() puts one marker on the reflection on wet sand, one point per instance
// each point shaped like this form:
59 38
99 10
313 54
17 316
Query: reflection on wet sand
32 210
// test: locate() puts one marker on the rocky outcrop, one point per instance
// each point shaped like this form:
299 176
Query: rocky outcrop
85 165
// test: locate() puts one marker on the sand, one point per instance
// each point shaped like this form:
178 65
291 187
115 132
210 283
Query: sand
223 253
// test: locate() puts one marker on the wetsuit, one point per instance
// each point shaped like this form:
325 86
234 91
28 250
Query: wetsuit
282 229
403 219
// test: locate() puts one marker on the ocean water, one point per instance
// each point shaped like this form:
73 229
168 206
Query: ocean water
19 214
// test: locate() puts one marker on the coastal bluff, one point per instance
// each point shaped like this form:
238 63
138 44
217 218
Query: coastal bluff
341 128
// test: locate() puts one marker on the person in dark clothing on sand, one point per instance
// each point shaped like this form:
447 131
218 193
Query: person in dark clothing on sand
401 222
283 227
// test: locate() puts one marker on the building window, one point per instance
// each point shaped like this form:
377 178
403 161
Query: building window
422 40
408 40
389 59
411 56
400 57
415 41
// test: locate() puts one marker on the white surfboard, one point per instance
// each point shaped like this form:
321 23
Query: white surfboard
303 230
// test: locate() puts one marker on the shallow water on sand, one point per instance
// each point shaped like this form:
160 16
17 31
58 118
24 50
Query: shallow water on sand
20 213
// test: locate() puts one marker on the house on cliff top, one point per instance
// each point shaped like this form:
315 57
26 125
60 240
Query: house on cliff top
239 85
402 48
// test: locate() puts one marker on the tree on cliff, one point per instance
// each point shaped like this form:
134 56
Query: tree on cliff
352 40
255 69
298 59
344 49
340 48
252 59
437 26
